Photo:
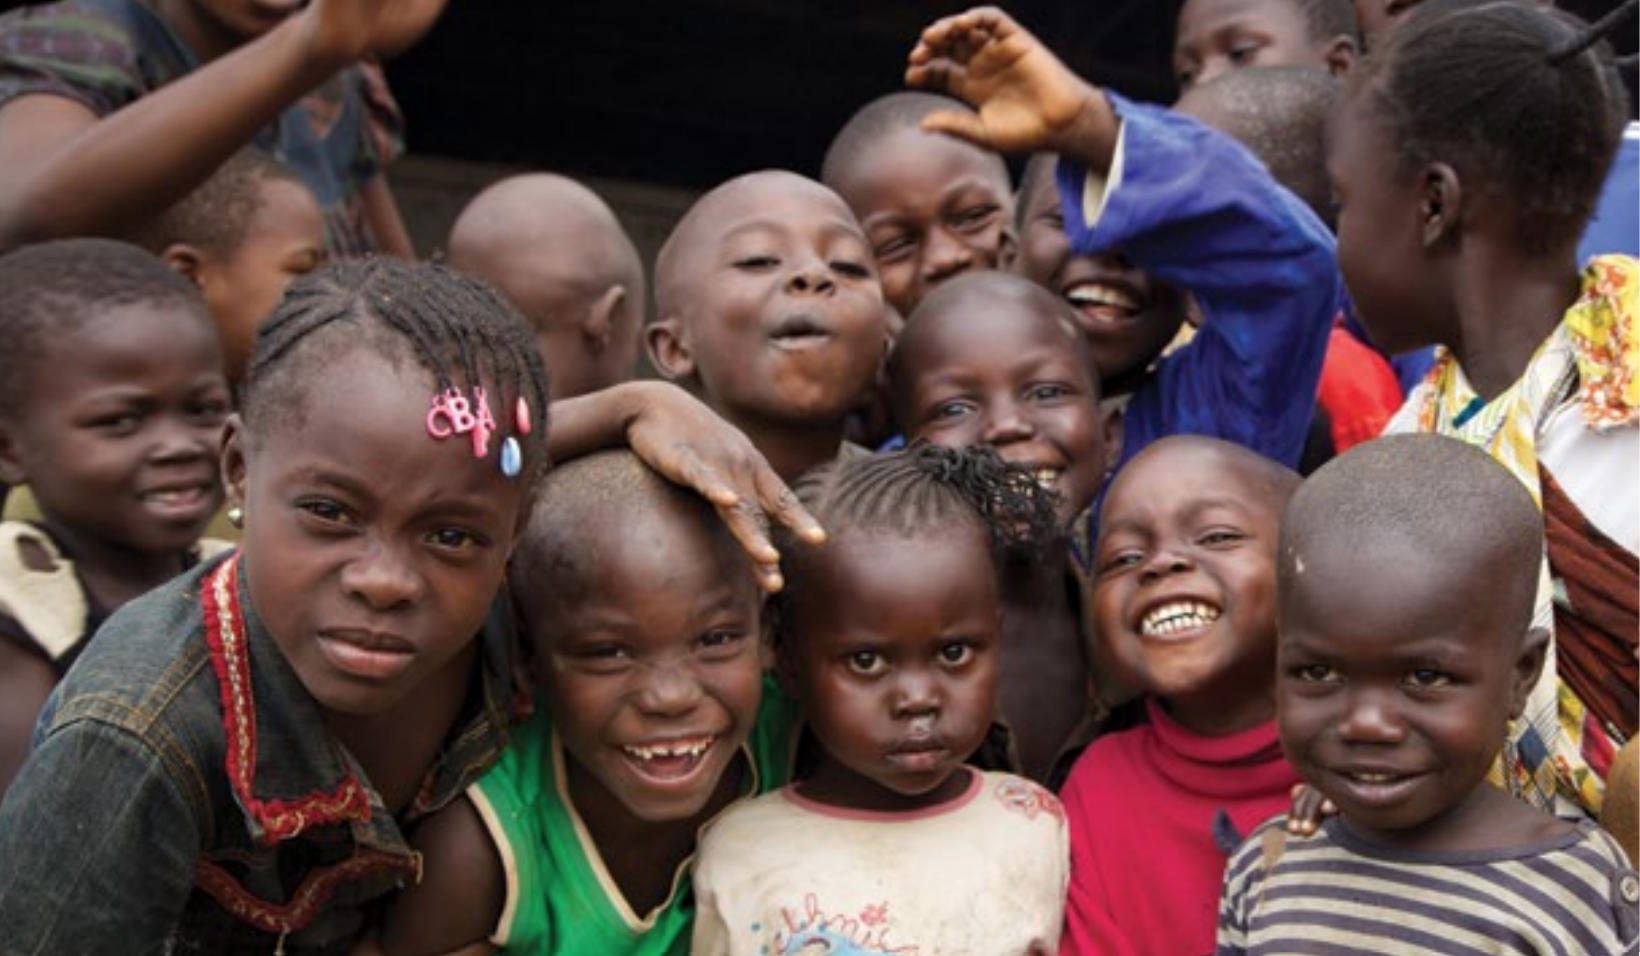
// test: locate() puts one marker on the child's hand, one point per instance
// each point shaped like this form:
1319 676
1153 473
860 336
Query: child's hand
342 31
678 436
1027 99
1310 807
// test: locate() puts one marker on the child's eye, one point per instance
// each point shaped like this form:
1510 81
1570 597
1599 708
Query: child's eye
894 249
1243 53
597 657
1314 673
956 653
1047 392
756 263
867 663
722 643
1425 678
1221 536
454 538
951 410
976 218
323 509
1119 561
119 425
854 270
211 412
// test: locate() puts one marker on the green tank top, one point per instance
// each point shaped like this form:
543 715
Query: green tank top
560 898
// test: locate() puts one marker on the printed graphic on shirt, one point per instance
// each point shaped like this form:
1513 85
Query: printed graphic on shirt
810 929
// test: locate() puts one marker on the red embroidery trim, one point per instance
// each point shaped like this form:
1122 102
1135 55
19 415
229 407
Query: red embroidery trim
309 898
225 636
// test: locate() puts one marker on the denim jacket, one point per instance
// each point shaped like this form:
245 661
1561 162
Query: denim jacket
184 795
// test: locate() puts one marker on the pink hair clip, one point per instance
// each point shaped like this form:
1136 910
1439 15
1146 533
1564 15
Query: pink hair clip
452 414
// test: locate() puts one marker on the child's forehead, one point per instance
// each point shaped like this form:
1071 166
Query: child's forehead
990 312
1201 16
768 203
1193 473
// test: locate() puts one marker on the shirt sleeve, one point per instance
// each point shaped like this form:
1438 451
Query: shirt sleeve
1243 869
99 845
68 53
1193 207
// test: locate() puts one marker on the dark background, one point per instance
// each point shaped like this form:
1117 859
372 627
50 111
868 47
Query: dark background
688 94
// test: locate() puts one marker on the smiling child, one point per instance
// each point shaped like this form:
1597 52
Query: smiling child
1405 590
116 439
1184 610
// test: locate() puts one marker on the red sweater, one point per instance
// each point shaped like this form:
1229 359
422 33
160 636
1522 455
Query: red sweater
1145 867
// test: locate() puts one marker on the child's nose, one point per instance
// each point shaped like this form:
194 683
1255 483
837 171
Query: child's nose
1369 718
810 276
1165 561
946 255
381 576
671 688
916 692
1006 422
176 438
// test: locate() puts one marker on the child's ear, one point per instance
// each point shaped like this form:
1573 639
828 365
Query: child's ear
599 323
1528 665
1340 55
234 468
669 350
1439 202
1112 415
187 260
12 471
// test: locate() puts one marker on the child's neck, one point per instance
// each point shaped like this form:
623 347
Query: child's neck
1502 324
113 575
1045 681
643 856
792 449
398 748
1225 709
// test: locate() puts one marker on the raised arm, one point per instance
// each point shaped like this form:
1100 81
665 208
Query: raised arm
1025 97
66 171
678 436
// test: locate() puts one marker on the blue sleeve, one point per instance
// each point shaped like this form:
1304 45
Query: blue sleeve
99 846
1616 223
1195 208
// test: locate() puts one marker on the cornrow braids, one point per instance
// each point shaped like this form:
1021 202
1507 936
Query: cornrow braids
52 289
1524 101
920 491
456 327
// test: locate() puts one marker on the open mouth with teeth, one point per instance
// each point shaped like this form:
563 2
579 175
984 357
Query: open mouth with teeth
1106 302
669 760
1177 618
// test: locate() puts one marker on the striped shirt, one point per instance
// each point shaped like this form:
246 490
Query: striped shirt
1333 895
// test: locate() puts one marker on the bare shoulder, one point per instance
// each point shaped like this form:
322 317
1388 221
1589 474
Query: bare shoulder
457 903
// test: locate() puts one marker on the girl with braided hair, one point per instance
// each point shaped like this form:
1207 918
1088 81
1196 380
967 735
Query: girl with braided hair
888 636
233 763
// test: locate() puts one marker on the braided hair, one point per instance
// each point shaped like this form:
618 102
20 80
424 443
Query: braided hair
921 492
454 326
1523 98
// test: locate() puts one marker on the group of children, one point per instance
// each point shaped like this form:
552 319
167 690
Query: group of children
1062 668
